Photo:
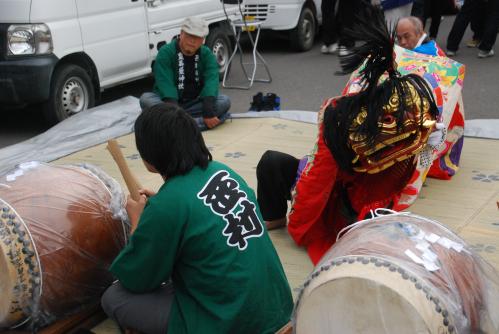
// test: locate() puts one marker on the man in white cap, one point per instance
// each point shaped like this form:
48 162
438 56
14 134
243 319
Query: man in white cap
186 73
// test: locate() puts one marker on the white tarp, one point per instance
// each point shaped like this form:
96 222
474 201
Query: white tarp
290 115
483 128
83 130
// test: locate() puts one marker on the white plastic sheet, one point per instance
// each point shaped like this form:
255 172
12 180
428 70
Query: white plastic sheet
83 130
483 128
290 115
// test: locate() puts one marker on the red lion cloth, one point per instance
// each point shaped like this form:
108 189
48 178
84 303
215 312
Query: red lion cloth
320 210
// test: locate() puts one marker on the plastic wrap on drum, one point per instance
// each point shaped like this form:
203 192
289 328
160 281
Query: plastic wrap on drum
399 273
60 229
118 198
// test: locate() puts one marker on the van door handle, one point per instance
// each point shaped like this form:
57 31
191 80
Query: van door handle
153 3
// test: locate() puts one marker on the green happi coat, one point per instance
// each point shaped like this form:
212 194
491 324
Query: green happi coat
166 72
227 279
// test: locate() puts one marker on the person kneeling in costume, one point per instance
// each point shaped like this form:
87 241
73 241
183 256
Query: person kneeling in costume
370 148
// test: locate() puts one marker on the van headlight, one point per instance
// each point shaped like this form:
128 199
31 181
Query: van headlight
29 39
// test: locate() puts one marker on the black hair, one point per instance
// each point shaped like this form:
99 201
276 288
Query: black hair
376 53
169 139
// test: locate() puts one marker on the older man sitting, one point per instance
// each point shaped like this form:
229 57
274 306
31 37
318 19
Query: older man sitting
411 35
186 74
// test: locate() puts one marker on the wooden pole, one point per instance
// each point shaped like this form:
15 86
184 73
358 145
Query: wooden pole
131 182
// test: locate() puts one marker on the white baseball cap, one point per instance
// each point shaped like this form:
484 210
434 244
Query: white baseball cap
195 26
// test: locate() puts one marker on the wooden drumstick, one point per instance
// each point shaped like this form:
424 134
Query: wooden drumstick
131 182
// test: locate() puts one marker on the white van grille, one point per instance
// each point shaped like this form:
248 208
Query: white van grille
259 12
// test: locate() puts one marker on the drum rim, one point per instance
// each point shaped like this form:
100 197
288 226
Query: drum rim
37 256
357 259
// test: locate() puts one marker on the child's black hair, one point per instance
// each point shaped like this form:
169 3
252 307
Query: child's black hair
169 139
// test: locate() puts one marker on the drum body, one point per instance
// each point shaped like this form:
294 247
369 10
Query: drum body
399 273
58 237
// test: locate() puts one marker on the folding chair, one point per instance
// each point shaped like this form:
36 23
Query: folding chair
239 26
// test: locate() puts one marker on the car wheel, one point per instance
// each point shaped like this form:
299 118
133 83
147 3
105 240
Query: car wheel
219 43
71 92
302 37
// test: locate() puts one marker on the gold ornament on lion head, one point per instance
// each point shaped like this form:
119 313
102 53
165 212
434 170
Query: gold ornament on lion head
393 143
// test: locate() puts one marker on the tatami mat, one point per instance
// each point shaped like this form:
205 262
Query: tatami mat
466 204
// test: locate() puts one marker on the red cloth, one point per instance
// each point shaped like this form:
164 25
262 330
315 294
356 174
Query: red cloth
318 212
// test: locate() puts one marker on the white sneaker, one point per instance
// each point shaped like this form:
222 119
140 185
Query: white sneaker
324 49
485 54
333 48
343 51
450 53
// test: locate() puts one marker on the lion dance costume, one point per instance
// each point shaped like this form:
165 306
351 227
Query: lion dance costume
372 147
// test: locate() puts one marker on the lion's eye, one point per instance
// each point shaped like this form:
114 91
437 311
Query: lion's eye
388 119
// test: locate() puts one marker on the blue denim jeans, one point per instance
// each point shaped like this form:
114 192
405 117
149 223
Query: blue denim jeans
193 108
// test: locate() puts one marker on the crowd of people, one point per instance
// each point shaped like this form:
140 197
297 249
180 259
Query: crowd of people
199 257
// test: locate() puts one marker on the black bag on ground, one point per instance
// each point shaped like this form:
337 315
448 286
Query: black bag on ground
267 102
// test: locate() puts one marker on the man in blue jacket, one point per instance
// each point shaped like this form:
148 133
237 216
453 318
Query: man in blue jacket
411 36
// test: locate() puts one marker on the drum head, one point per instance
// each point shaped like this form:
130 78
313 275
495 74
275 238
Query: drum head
361 297
19 268
7 279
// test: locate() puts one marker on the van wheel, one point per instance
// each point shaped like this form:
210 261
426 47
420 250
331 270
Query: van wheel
302 37
71 91
219 43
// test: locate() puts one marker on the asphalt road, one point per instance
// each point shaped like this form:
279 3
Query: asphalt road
302 80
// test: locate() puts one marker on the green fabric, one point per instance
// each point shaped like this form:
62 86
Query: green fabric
166 72
219 288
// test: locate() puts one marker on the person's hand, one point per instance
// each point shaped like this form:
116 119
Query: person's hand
147 192
134 210
437 137
211 122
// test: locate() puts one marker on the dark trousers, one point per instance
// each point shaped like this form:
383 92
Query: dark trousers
433 9
490 26
346 18
146 312
329 24
418 7
477 20
469 12
276 174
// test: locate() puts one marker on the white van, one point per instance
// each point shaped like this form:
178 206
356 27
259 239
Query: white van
64 53
301 18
